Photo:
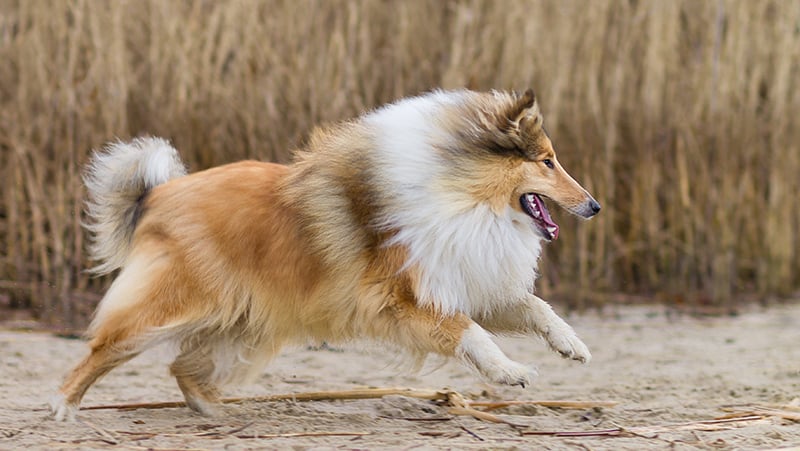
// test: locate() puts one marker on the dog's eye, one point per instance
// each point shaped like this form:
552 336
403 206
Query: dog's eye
548 162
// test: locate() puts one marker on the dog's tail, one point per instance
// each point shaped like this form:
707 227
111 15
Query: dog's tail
118 178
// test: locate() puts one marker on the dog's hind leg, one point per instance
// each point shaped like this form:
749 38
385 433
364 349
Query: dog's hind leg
103 358
193 369
116 339
423 331
130 319
535 316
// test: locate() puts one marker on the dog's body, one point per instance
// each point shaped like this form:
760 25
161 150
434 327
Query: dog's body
415 225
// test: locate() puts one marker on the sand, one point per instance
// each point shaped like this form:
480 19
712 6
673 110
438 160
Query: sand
663 369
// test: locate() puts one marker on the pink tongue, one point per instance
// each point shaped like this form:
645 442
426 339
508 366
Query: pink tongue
546 219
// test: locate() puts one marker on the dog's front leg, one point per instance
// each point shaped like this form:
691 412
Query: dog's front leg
423 331
533 315
478 351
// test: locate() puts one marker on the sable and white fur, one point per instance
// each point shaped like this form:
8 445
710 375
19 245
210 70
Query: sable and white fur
403 226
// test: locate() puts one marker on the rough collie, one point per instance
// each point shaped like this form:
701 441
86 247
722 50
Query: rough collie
418 224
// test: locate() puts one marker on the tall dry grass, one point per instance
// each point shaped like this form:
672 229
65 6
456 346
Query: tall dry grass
680 116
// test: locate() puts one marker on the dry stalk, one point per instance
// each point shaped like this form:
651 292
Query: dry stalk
369 393
107 436
652 431
481 415
494 405
786 412
304 434
648 105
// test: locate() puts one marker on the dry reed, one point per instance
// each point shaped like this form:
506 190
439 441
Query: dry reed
680 116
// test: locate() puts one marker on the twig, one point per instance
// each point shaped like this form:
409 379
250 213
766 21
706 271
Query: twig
240 428
764 411
222 433
595 433
481 415
9 432
417 418
641 431
368 393
142 405
785 414
472 434
704 425
305 434
631 431
150 448
493 405
440 434
107 436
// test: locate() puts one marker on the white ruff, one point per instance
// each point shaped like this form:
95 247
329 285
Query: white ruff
471 259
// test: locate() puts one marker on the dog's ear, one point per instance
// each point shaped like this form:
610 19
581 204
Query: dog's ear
529 119
509 128
522 106
513 117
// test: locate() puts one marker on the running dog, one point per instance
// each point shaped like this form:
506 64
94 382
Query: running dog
418 224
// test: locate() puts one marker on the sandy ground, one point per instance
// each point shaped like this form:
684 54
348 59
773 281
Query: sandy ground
663 369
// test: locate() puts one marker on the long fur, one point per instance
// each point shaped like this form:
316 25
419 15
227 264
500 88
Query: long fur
438 225
117 180
403 226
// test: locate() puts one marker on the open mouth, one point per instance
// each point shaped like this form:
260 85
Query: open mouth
533 206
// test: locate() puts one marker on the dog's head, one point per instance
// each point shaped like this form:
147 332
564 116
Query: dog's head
510 135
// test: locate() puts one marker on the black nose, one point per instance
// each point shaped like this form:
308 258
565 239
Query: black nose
595 206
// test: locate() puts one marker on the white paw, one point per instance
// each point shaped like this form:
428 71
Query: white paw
563 339
202 407
479 351
61 410
508 372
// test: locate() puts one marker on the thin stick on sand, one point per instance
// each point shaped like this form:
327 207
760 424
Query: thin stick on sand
304 434
493 405
786 412
108 437
368 393
644 431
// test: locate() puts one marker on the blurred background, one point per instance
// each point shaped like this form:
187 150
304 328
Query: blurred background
680 116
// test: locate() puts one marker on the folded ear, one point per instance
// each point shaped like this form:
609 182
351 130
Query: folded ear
529 119
523 106
509 128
